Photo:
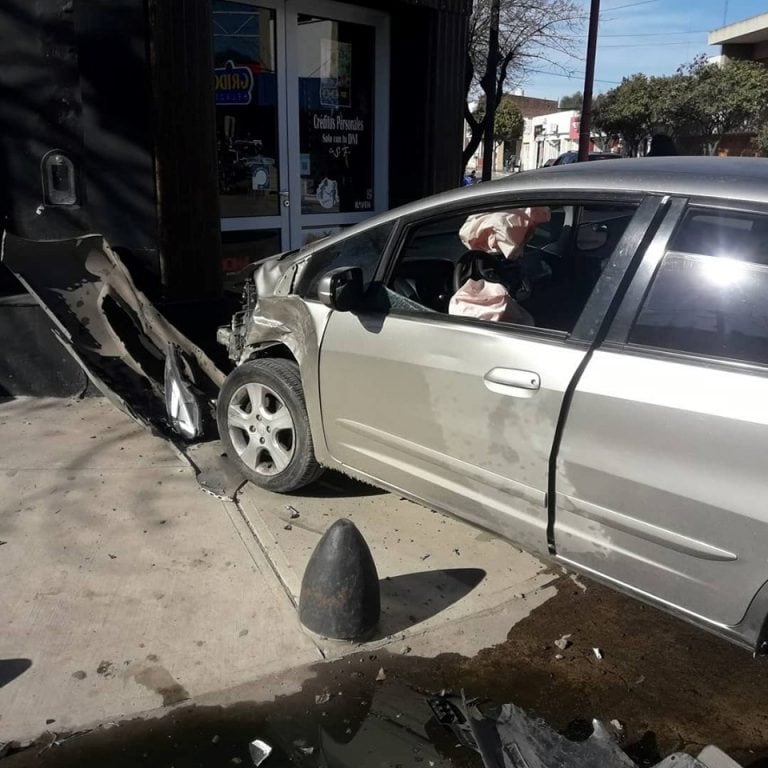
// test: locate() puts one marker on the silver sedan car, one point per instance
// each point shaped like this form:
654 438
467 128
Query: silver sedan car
575 358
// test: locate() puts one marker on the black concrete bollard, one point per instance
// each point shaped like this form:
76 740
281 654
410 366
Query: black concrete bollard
340 589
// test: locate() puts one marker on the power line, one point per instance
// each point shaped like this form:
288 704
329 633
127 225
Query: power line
653 34
630 5
572 76
651 44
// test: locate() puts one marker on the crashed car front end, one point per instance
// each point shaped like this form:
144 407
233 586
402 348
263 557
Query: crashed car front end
273 313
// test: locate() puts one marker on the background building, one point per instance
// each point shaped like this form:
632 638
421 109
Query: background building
745 39
547 136
530 107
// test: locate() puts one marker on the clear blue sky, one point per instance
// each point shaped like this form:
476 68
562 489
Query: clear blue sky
650 36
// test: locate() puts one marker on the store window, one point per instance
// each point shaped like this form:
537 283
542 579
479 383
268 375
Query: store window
336 118
244 39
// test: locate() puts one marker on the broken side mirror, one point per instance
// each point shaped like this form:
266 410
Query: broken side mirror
342 289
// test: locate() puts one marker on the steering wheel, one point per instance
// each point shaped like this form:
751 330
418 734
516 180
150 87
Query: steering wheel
493 267
476 265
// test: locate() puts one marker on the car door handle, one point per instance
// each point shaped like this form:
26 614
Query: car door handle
510 381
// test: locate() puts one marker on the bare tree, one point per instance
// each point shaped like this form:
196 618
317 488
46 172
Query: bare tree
531 32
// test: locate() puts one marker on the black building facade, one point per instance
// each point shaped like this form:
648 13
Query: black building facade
199 135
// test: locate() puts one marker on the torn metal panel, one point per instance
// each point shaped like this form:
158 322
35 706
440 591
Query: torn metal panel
514 740
110 327
284 320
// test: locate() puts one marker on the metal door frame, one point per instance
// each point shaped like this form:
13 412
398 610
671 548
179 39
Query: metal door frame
354 15
281 220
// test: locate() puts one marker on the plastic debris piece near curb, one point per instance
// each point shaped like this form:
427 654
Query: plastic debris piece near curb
598 654
578 583
323 698
260 751
564 642
381 675
712 757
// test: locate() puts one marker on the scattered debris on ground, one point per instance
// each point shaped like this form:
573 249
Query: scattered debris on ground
563 642
322 698
259 751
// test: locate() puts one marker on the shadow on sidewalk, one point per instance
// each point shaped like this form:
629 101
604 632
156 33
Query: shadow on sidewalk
411 598
10 669
334 485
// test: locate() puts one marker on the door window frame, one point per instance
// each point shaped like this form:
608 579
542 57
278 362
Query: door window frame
592 316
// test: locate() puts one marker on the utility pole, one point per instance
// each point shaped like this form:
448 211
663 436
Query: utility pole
589 79
489 86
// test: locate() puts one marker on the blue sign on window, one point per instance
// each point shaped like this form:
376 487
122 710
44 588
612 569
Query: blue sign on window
234 85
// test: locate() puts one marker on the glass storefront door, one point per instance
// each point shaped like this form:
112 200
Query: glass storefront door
249 56
302 121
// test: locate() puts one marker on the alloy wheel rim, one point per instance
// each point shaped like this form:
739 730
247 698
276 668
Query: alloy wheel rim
261 429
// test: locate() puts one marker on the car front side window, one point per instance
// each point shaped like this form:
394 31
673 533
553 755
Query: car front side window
532 266
363 250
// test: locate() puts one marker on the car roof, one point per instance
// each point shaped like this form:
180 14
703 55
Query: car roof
731 178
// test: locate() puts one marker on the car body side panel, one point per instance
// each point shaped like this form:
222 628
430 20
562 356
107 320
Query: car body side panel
404 400
661 481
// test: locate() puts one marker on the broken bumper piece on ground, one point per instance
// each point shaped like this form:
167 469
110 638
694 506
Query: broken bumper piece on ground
114 332
127 348
515 740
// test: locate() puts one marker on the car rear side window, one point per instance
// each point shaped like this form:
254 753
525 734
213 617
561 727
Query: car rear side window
362 250
710 293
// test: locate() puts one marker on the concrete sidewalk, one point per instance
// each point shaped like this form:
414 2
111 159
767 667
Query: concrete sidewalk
124 585
126 588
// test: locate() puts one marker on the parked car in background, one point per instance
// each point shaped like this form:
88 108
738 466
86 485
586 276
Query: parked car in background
576 360
573 157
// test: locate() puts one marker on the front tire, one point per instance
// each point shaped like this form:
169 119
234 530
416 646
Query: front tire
264 426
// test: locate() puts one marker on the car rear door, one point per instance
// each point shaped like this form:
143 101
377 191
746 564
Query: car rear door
458 413
661 473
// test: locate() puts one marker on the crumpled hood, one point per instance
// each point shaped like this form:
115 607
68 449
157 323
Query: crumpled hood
276 276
